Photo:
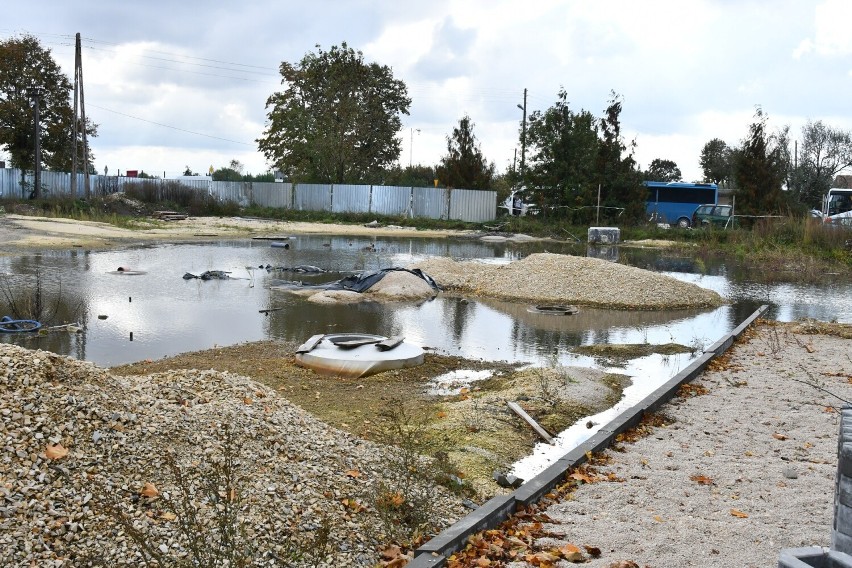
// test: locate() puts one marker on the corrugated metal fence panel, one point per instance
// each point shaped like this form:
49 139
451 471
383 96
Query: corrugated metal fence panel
429 202
350 198
473 205
391 200
235 191
277 195
313 197
10 183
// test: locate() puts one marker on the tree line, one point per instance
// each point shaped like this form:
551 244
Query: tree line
338 117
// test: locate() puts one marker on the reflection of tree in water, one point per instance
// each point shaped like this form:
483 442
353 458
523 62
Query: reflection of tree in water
299 319
456 315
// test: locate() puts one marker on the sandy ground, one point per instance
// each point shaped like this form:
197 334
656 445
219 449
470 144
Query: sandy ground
20 231
735 475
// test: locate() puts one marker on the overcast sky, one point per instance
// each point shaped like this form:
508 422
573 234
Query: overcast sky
175 84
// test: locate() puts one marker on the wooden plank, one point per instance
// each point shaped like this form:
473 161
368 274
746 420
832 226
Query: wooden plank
308 345
529 420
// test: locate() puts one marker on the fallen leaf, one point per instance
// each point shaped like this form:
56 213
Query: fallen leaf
247 400
658 518
739 514
778 436
593 551
149 490
441 414
701 479
56 452
354 473
168 516
391 552
571 553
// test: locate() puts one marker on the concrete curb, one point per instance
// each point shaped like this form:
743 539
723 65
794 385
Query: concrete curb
435 553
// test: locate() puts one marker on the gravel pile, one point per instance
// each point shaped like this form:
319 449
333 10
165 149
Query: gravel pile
554 278
77 438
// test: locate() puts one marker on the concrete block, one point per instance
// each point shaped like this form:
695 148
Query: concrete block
841 542
489 515
805 557
428 561
604 235
843 492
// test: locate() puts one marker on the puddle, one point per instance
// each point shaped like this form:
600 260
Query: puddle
452 383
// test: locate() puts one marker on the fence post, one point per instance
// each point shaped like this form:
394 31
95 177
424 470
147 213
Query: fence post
841 531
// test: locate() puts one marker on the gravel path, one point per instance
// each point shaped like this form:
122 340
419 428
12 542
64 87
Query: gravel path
557 278
737 474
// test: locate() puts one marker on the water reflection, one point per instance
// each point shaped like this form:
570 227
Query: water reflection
168 315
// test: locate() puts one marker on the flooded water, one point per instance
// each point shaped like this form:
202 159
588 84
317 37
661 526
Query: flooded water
158 313
131 317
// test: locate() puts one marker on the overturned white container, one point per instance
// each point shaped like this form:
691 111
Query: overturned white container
326 355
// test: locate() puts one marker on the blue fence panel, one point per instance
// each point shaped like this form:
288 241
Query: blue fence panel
391 200
429 202
350 199
312 197
473 205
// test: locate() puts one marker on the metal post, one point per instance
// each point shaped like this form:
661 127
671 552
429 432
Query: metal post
36 93
523 135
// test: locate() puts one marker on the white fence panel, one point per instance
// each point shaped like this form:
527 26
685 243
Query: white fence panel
235 191
350 199
429 202
277 195
473 205
313 197
391 200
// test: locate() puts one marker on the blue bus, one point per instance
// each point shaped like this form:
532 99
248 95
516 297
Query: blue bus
675 202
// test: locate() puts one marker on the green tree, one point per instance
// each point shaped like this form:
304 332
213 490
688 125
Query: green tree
759 169
621 191
825 152
663 170
337 119
25 66
463 165
417 175
716 161
188 172
562 146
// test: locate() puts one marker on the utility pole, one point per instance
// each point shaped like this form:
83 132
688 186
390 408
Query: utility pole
411 148
79 72
36 94
76 119
523 135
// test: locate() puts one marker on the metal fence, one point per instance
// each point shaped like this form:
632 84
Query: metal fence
431 202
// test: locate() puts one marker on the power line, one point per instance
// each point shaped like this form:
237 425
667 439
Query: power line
171 127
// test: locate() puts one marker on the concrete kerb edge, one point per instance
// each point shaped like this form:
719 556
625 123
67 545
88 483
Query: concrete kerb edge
435 552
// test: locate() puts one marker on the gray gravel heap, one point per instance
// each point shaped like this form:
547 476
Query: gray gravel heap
558 278
118 431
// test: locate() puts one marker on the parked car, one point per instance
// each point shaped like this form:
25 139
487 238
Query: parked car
713 215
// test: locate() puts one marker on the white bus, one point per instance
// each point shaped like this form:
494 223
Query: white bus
837 206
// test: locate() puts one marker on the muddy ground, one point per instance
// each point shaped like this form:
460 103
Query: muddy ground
474 427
